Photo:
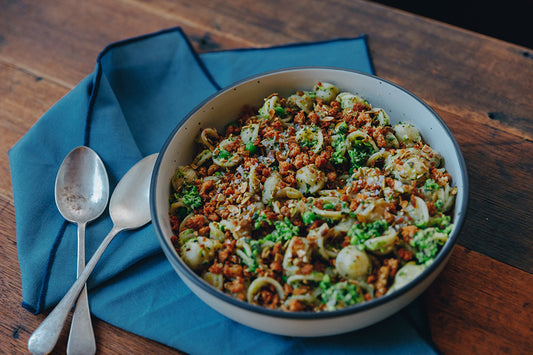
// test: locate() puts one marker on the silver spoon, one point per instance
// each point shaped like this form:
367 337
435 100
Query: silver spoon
129 209
81 194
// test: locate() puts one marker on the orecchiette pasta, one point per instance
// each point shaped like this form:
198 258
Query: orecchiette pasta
223 157
310 179
301 100
199 251
352 263
269 107
312 202
408 134
326 92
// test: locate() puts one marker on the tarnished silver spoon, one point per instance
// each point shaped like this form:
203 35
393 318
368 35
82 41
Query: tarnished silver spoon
129 208
81 194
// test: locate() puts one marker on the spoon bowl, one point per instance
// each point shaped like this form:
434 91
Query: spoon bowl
129 208
82 186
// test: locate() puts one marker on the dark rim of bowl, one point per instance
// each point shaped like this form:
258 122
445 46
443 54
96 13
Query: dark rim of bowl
357 308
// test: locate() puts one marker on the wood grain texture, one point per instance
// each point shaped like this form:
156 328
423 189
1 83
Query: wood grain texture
441 61
461 85
470 314
500 179
23 99
481 303
60 40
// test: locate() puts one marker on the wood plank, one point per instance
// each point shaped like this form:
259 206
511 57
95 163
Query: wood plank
422 41
60 41
424 49
489 203
470 314
500 204
417 53
23 99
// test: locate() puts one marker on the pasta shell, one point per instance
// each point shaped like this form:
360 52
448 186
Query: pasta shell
406 274
353 263
407 134
326 92
222 157
310 179
261 282
303 102
270 186
384 244
208 138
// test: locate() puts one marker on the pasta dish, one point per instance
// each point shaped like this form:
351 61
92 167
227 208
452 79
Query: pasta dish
312 202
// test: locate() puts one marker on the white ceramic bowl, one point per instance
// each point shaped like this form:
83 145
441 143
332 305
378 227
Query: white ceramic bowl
225 106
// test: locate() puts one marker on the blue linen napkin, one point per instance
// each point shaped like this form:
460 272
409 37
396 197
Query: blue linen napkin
124 110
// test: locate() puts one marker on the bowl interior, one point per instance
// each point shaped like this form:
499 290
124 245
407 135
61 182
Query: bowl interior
225 106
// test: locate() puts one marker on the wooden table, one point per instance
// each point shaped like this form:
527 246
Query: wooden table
482 88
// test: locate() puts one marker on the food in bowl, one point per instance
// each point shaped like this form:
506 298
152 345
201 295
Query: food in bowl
312 202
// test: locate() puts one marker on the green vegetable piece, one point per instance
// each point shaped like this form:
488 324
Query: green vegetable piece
339 295
251 260
284 230
251 148
280 111
325 283
427 243
190 196
339 144
223 154
361 232
342 128
430 185
260 219
359 153
442 222
309 217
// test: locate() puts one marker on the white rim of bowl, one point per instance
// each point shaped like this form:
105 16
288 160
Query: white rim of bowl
356 308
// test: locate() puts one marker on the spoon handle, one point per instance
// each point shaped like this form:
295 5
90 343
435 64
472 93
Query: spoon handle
44 338
81 337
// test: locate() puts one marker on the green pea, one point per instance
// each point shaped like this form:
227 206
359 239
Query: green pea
251 148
